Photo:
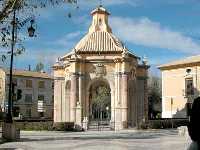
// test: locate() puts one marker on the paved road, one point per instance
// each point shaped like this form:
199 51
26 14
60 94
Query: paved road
105 140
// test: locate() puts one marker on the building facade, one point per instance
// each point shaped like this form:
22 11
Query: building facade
100 60
180 85
32 95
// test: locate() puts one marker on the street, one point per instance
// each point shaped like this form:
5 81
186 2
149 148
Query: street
104 140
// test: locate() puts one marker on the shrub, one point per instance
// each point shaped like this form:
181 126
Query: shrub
63 126
163 123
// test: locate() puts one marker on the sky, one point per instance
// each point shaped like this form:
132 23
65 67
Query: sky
161 30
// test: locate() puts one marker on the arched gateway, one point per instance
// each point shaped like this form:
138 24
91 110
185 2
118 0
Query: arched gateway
100 78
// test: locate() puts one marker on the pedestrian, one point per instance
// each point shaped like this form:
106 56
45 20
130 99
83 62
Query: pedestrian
194 125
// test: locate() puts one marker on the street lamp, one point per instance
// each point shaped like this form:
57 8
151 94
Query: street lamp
31 31
107 109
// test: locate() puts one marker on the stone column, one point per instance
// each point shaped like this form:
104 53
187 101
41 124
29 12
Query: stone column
117 101
124 96
145 100
73 97
78 122
79 101
112 119
58 99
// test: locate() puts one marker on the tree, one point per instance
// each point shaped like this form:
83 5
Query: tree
39 67
101 100
154 96
9 5
23 6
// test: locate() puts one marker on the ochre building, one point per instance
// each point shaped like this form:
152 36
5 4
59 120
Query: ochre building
32 94
100 60
180 85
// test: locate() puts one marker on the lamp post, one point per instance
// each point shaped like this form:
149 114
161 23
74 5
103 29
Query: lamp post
9 114
107 110
9 129
31 31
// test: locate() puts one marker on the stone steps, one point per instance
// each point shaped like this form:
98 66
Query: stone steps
99 125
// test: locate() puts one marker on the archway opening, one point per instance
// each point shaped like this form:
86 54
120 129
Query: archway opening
100 101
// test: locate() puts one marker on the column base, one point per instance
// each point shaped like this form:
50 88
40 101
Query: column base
78 122
125 124
118 126
10 132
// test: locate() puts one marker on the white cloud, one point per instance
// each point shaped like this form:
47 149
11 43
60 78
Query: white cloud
119 2
32 56
66 41
73 35
92 3
145 32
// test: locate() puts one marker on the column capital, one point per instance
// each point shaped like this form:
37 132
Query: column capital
117 60
79 74
122 73
125 73
59 78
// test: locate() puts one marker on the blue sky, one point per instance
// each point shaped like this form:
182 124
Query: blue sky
161 30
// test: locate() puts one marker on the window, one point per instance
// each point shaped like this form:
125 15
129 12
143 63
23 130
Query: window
29 83
41 114
28 98
28 112
188 108
40 97
16 111
189 88
41 84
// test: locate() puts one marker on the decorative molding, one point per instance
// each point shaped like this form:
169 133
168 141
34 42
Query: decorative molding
117 60
100 70
59 78
142 78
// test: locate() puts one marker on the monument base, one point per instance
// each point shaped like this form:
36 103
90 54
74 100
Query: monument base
10 132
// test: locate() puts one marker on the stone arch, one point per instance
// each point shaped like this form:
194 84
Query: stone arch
109 82
95 83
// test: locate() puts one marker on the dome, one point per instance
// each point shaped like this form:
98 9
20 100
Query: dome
99 39
99 42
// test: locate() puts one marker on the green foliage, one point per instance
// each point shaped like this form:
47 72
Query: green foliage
37 126
163 124
154 96
10 5
25 7
102 98
63 126
39 67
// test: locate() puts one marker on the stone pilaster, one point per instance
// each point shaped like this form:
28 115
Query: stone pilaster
73 97
112 106
117 100
145 100
79 101
118 118
80 87
58 99
124 96
78 115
